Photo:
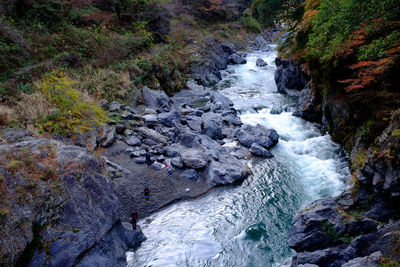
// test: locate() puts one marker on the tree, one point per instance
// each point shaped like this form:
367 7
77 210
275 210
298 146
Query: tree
268 12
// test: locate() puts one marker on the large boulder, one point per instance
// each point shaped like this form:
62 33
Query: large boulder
168 118
260 42
248 134
107 135
61 211
151 134
133 141
261 63
289 78
206 73
156 99
212 123
260 151
227 170
194 158
308 106
223 101
373 260
236 59
312 226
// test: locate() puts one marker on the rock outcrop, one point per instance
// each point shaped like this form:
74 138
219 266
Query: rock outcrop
57 208
360 224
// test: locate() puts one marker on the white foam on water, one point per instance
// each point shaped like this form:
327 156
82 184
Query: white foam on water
247 225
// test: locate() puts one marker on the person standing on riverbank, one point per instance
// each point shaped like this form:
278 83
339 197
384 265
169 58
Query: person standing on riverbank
169 168
134 217
148 160
146 193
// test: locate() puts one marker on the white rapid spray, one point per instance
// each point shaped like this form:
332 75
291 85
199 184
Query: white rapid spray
247 225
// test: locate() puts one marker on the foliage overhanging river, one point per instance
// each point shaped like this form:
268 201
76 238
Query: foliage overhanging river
247 225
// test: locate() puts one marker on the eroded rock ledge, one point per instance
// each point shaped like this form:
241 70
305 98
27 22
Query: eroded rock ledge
57 208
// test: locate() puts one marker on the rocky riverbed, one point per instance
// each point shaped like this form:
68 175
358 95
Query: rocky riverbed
65 201
197 130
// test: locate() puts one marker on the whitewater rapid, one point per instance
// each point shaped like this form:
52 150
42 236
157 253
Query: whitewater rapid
247 225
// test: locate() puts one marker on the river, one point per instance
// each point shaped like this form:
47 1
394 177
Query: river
247 225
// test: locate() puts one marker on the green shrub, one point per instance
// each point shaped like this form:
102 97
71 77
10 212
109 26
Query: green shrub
336 21
377 48
71 113
251 24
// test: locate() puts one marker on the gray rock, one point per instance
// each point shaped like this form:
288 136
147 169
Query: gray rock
80 204
174 150
236 59
168 118
128 132
137 153
150 119
149 142
156 99
260 151
152 134
115 107
192 85
190 174
194 158
194 123
372 260
140 160
133 141
267 138
227 170
261 63
12 135
241 153
212 125
120 128
131 110
150 111
177 162
288 76
311 226
232 119
127 116
220 98
260 42
188 139
107 136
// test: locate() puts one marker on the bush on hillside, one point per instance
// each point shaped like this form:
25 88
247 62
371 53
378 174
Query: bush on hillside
71 114
250 23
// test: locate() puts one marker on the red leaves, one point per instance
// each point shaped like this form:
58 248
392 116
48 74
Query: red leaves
367 73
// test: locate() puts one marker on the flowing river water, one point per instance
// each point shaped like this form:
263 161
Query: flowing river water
247 225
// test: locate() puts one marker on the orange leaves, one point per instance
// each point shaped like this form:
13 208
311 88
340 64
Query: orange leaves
367 73
363 64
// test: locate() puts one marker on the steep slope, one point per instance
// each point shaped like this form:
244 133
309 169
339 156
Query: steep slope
347 80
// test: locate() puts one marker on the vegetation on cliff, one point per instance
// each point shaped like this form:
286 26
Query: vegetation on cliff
351 49
108 49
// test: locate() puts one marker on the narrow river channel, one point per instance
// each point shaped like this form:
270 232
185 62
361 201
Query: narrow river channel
247 225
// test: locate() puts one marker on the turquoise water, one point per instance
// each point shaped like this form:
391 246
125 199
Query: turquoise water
247 225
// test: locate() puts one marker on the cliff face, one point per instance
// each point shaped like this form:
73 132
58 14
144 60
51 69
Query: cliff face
352 90
57 209
358 103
